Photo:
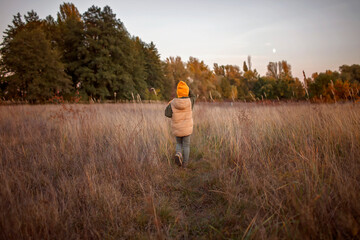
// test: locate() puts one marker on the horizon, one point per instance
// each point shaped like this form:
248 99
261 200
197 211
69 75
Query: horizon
310 36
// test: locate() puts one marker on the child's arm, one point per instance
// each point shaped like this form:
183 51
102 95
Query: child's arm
192 98
168 111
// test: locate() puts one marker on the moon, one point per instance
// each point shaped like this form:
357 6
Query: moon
274 50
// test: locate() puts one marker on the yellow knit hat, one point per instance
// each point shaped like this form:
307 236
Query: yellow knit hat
182 89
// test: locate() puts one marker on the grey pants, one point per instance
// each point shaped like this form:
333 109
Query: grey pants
183 146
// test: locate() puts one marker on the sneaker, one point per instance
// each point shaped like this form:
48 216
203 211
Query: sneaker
178 159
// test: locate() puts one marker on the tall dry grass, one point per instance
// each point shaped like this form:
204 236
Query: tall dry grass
106 172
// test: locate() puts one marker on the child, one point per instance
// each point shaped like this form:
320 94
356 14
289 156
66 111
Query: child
180 112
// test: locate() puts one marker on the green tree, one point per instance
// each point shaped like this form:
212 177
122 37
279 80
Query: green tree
139 73
350 73
247 84
265 88
153 67
34 69
106 56
30 63
69 35
285 86
17 25
318 86
282 89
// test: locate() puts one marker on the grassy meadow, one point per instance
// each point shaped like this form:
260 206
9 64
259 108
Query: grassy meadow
106 171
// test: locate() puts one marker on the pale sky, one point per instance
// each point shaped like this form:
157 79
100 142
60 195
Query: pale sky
312 35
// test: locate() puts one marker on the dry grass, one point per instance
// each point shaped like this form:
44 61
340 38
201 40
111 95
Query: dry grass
106 172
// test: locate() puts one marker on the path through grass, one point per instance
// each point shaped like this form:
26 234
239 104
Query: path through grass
106 172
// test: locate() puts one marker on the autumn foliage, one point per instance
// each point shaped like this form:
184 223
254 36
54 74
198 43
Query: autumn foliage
93 56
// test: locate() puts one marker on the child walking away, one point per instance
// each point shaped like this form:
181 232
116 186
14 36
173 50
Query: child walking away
180 111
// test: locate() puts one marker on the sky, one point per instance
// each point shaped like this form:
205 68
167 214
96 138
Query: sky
311 35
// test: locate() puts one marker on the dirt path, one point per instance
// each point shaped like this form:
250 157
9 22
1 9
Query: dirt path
200 205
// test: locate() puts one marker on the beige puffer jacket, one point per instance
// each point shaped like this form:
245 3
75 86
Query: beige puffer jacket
181 121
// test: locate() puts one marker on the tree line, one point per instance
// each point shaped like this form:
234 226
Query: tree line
93 56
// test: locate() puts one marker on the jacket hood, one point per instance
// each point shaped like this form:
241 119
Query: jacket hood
182 89
181 103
